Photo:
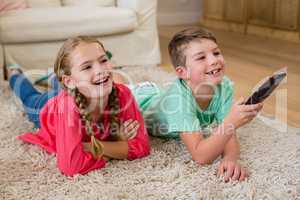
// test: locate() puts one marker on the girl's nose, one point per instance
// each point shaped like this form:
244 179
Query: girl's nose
98 68
102 67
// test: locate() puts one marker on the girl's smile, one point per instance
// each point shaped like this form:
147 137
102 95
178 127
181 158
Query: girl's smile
103 80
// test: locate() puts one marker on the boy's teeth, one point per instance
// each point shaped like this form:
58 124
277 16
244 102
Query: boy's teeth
213 72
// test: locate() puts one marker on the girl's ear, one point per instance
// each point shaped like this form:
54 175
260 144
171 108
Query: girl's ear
108 54
68 81
182 72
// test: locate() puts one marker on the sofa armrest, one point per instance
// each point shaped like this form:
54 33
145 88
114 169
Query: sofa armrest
143 8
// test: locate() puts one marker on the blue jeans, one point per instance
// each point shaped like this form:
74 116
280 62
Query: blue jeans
32 100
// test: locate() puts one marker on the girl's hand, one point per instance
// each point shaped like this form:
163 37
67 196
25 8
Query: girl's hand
241 114
129 129
232 170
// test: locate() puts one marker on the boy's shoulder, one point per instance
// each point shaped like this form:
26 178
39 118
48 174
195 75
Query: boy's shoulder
178 87
225 88
226 82
176 97
179 93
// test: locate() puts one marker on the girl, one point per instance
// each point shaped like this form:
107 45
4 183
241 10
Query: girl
92 119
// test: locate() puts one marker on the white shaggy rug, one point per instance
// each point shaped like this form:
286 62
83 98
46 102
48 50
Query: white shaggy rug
27 172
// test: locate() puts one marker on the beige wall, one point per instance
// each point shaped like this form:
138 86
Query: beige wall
179 11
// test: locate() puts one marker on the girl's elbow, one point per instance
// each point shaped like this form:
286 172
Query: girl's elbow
67 171
144 150
138 151
147 151
69 168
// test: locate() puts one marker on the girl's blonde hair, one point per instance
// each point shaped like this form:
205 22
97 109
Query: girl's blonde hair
63 67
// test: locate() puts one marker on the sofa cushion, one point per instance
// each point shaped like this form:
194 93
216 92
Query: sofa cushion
43 3
10 5
88 2
52 24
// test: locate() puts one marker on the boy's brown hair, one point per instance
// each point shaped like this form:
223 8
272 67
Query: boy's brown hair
181 40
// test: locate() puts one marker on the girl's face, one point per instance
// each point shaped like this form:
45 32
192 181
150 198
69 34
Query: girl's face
90 71
205 64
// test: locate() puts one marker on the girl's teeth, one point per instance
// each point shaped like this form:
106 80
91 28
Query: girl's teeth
102 81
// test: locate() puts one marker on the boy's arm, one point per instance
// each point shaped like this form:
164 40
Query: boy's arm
232 149
205 151
229 167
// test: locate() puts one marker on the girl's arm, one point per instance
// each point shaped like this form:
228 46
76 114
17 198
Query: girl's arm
138 146
115 149
111 149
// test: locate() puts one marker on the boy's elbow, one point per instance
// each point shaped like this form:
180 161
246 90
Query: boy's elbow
201 160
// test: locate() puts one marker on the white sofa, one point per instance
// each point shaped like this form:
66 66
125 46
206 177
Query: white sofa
32 37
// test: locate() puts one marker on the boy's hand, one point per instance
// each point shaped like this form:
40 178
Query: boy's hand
129 129
241 114
232 170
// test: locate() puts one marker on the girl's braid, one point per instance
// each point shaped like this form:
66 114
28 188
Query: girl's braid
81 103
114 105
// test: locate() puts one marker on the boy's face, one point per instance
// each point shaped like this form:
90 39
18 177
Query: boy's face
204 64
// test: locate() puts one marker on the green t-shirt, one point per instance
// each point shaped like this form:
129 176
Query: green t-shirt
171 111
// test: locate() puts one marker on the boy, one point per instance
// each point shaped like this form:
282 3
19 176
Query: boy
198 100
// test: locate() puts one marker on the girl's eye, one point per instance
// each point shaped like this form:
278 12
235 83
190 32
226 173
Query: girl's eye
217 53
103 60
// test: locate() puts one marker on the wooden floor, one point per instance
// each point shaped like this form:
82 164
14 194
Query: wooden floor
249 59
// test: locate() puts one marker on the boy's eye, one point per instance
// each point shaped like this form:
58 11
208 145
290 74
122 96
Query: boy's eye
200 58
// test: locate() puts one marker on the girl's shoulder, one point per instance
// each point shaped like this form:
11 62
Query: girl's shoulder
62 102
122 89
124 94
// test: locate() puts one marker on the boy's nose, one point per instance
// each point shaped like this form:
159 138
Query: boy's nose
212 60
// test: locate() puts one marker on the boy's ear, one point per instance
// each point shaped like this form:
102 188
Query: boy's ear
182 72
68 81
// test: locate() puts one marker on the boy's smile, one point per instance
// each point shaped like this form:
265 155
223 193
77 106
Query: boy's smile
214 72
